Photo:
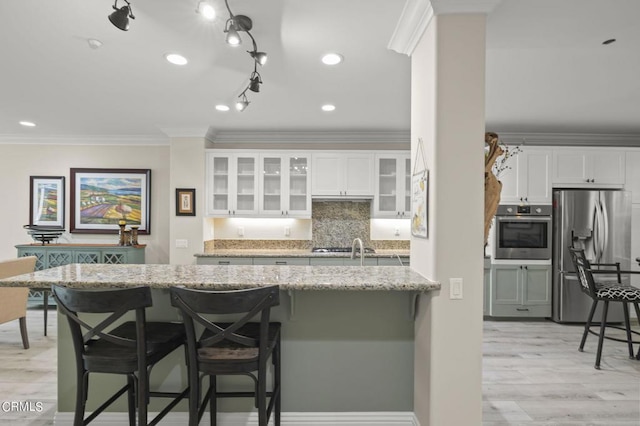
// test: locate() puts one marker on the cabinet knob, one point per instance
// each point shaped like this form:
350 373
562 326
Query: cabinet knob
593 180
526 267
522 309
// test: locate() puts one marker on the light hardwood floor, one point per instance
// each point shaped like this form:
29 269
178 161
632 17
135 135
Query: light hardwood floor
533 375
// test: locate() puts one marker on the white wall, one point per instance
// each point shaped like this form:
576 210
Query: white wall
447 112
187 171
21 160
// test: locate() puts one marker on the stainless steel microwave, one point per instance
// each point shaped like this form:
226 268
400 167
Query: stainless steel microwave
523 232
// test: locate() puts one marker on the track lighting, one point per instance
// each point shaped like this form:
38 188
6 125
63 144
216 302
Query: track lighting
120 18
207 11
243 103
260 57
233 38
255 81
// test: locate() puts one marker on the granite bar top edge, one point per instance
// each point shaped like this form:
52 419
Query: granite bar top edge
345 278
295 253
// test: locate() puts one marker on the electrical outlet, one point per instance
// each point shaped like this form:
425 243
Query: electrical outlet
287 231
455 288
397 232
240 231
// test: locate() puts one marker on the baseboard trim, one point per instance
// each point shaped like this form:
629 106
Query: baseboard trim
392 418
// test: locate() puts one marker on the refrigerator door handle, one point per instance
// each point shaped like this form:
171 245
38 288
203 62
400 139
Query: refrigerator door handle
595 234
605 229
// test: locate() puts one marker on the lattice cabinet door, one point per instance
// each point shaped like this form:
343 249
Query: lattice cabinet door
114 258
59 258
86 257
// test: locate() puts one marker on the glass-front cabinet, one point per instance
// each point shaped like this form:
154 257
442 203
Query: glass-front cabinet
393 185
232 184
285 185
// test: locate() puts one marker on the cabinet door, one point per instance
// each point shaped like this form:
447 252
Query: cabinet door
632 179
608 167
59 257
506 288
272 182
244 189
224 261
537 285
86 256
298 188
570 167
387 175
509 176
114 257
326 174
534 181
219 178
358 174
304 261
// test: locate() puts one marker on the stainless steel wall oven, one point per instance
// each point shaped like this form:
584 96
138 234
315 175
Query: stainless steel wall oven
523 232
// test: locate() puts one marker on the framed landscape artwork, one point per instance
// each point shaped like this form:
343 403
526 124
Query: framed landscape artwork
46 201
100 198
185 202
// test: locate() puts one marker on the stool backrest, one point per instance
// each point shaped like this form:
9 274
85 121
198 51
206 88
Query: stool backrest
117 302
249 302
583 271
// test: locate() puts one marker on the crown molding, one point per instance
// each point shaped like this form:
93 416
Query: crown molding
417 15
443 7
309 137
414 20
570 139
128 140
184 132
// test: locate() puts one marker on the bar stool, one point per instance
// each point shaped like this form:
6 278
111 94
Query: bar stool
605 292
131 348
238 347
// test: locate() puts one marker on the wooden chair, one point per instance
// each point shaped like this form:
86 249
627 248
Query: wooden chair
606 292
131 348
238 347
13 300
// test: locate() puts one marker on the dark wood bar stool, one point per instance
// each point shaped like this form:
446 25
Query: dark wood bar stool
605 292
131 348
236 347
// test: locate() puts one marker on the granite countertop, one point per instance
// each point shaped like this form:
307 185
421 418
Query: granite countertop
381 278
293 253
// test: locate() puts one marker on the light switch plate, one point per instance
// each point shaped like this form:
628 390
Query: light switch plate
182 243
455 288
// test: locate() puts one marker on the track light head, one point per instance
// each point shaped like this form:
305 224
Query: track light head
120 18
254 82
260 57
242 103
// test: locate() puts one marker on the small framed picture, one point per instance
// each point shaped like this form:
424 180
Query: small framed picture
46 202
185 202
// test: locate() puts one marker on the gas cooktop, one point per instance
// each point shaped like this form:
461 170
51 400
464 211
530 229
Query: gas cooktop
339 250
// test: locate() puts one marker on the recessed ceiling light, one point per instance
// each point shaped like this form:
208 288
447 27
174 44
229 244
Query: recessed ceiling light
28 124
328 107
176 59
332 59
611 40
94 43
222 107
206 10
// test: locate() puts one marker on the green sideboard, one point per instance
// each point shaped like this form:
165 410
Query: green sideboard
52 255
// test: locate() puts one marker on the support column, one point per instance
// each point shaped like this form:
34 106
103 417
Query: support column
447 113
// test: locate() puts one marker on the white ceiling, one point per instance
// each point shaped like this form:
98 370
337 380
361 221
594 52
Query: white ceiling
547 70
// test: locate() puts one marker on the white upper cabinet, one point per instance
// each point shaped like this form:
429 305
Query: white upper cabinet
392 185
232 184
342 174
632 181
588 167
285 185
527 177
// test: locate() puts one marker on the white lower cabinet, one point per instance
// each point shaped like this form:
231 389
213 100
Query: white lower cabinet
520 290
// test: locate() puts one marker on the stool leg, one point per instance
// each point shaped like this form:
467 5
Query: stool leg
213 399
45 298
262 395
603 325
131 399
637 308
627 327
82 384
594 305
276 382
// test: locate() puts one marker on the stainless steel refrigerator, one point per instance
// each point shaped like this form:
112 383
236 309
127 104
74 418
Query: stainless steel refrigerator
599 221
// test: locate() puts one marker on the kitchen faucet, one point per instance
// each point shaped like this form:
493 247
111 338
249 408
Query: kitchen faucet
353 250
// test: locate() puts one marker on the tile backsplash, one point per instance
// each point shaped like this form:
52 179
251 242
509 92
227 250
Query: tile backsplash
337 223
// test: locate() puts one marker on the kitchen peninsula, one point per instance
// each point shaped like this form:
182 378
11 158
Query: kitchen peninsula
348 332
